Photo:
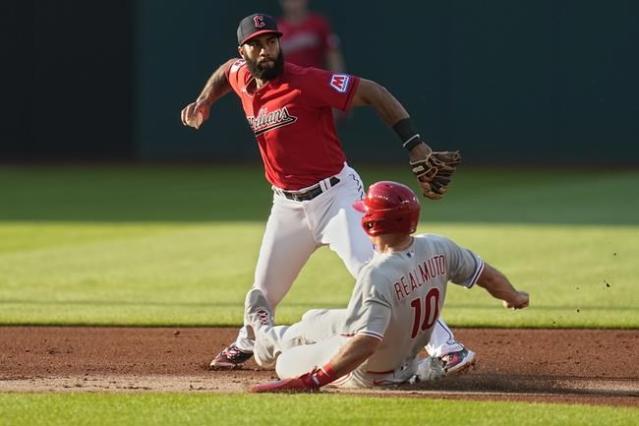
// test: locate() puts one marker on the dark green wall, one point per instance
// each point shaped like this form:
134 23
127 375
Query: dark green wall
505 81
66 80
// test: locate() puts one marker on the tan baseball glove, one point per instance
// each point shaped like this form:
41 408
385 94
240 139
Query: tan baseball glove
435 172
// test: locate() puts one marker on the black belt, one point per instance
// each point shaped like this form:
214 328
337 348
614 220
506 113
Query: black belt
309 193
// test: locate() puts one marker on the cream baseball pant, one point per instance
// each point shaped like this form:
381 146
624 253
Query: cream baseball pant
311 343
295 229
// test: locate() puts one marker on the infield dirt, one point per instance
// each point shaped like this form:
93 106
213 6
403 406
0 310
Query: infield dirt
569 366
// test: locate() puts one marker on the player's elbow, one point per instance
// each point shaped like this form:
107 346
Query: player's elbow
369 92
367 345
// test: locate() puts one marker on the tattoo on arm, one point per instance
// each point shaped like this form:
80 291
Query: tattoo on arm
217 85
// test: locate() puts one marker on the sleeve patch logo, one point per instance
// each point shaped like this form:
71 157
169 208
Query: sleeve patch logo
340 82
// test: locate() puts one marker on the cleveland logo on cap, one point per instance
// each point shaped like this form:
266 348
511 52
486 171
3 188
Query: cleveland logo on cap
256 25
258 20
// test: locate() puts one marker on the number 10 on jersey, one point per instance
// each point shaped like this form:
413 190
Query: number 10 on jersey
431 311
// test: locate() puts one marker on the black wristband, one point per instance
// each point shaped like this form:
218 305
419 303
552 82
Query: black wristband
407 133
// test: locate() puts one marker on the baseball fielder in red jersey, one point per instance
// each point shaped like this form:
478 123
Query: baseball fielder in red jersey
307 38
288 108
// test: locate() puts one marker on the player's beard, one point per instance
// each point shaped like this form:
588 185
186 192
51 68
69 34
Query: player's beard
264 73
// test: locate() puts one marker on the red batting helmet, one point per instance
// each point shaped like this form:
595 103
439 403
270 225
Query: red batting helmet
389 208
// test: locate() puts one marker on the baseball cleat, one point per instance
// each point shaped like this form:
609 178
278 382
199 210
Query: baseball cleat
257 310
230 358
258 317
458 362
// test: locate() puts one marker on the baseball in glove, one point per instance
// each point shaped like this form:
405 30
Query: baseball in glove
434 172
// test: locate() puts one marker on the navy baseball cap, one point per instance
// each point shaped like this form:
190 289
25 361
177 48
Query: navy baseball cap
255 25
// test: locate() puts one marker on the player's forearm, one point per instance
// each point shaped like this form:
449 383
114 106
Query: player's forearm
497 284
370 93
216 86
350 356
394 114
355 352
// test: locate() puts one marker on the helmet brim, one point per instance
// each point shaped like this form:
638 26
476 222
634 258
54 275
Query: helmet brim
360 206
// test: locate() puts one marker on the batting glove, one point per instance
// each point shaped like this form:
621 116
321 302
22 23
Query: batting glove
309 382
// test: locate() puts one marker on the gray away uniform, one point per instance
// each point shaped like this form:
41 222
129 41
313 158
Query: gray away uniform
398 298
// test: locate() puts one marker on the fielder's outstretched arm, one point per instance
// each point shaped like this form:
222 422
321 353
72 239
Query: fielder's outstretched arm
499 287
432 169
216 87
370 93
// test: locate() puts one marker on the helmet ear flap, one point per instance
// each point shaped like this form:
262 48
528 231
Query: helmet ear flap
370 225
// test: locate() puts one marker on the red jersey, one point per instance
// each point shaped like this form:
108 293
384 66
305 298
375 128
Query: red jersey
292 119
307 42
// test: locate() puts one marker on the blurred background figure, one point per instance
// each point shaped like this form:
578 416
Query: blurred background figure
308 39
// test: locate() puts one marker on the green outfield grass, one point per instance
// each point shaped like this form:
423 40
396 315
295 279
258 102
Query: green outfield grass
169 409
177 245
